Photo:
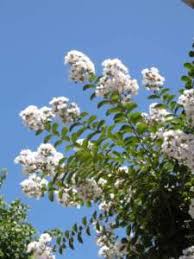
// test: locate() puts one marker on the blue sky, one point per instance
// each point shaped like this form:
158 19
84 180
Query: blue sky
34 37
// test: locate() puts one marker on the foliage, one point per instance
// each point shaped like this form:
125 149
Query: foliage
145 192
15 232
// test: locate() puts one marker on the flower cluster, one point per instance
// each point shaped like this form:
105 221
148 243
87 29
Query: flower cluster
116 78
76 193
82 67
152 78
88 190
34 186
179 145
41 249
67 197
109 247
188 253
187 101
44 160
35 118
156 113
106 205
68 112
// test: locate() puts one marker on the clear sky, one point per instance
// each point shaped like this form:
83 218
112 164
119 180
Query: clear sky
34 35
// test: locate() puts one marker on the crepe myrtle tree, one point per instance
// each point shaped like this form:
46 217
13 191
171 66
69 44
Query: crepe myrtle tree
15 232
17 236
135 169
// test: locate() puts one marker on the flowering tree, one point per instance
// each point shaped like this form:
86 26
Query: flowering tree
17 237
136 167
15 232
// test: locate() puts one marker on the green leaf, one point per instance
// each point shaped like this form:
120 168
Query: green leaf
125 129
74 137
74 125
71 241
92 96
84 221
38 132
88 231
61 249
191 73
153 96
135 117
164 90
58 143
141 127
83 115
48 125
168 97
91 119
64 132
189 85
113 110
92 78
100 124
51 195
188 66
58 240
102 103
91 135
69 148
120 117
47 138
94 215
160 106
67 235
79 238
115 96
185 79
130 106
131 140
75 228
55 129
88 86
191 53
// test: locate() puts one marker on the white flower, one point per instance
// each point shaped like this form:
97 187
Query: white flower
188 253
187 101
34 186
45 238
116 78
102 181
179 145
67 197
68 112
152 78
45 160
32 246
109 247
41 249
106 206
104 251
46 149
89 190
81 66
28 160
35 118
156 114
